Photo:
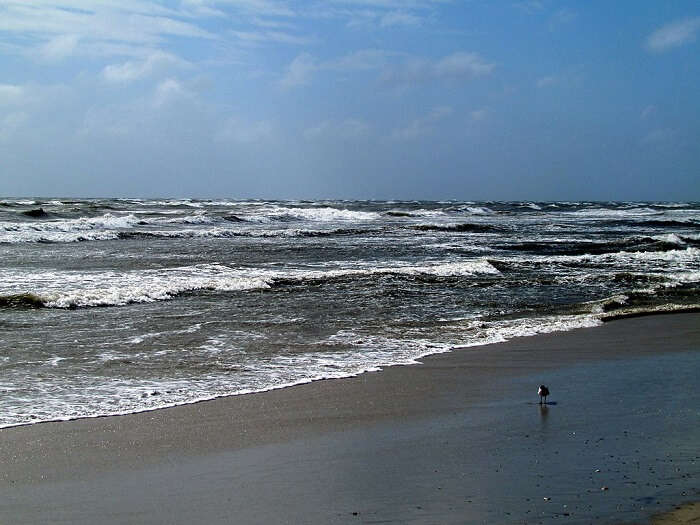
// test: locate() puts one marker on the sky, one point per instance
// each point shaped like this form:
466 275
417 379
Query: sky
351 99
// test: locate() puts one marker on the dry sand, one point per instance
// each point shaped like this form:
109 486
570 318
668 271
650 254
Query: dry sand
460 438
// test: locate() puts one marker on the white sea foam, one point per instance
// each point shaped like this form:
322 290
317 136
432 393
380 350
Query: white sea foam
10 237
325 214
670 238
479 210
500 331
343 354
687 255
99 288
597 213
21 202
106 221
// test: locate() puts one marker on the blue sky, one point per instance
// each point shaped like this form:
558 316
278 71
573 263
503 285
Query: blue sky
376 99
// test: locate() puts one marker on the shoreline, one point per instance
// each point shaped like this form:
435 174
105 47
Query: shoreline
603 318
472 384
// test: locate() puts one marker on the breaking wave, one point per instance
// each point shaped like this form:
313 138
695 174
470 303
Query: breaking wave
657 243
79 289
460 228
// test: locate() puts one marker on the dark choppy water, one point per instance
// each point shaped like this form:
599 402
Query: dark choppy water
113 306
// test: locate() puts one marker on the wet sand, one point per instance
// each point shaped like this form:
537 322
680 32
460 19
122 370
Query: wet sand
460 438
682 515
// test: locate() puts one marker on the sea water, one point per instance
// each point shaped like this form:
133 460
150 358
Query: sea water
111 306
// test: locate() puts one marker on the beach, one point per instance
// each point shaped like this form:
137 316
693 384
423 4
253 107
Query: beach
459 438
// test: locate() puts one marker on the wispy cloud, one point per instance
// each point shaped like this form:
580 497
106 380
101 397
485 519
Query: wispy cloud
279 37
299 71
422 126
376 13
134 70
648 112
399 18
395 68
10 94
170 91
59 47
348 129
529 6
463 64
561 17
479 114
658 137
547 81
673 34
362 60
459 65
245 132
56 29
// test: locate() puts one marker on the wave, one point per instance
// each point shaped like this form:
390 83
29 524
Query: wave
56 237
30 236
37 213
658 243
324 214
479 210
21 300
76 290
689 255
415 213
460 228
654 223
603 212
106 221
66 230
19 202
227 233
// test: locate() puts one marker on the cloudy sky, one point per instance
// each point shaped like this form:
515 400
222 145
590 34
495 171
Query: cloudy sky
378 99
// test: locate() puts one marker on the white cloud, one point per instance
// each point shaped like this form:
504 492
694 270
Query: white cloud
349 129
279 37
95 21
462 64
547 81
674 34
363 60
530 6
648 111
423 126
571 75
59 47
376 13
408 69
10 94
243 132
55 29
399 18
479 114
658 137
561 17
457 66
131 70
9 124
169 91
299 71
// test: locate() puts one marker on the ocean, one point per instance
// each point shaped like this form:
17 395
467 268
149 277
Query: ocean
113 306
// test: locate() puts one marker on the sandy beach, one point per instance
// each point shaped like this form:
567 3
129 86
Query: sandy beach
459 438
